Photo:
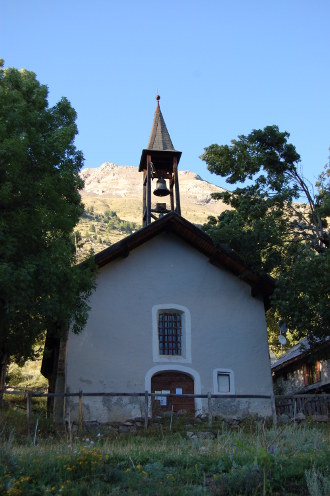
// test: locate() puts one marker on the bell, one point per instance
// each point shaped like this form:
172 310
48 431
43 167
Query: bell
161 188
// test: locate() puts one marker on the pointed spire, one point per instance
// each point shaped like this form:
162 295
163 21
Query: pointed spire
159 137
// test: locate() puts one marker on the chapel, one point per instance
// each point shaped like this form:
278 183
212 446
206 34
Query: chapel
171 313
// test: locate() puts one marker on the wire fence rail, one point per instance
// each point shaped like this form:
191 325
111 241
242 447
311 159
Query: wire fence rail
307 404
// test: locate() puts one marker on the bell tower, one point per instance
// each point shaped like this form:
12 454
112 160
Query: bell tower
159 161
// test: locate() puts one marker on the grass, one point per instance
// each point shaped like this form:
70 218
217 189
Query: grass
26 376
250 460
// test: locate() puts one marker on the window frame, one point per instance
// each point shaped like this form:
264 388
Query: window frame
170 333
223 371
312 373
185 356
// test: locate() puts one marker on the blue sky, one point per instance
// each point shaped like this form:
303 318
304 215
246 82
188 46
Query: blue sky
222 68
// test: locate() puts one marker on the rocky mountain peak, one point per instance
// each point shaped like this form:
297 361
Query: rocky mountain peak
113 203
118 181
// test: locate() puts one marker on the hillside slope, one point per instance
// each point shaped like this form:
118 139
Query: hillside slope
113 203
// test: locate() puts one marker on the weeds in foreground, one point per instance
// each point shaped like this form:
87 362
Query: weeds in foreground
318 484
248 461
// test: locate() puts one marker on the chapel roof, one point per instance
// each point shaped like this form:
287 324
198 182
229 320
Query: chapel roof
160 147
159 136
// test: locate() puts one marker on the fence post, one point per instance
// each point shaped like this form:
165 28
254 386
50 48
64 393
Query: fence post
209 407
28 410
80 412
146 413
273 407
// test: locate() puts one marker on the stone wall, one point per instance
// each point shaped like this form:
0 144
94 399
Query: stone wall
293 381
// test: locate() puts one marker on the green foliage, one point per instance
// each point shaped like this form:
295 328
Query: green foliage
293 460
272 319
323 194
318 484
108 214
270 230
41 288
110 221
308 306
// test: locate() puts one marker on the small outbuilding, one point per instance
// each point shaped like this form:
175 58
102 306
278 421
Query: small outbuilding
303 370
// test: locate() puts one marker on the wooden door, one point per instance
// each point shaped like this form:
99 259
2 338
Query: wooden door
173 381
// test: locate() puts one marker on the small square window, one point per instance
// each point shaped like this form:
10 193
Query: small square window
223 383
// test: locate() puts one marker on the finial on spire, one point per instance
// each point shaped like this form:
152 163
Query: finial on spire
157 98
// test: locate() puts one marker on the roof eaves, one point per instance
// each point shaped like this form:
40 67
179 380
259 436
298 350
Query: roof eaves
297 353
276 368
219 255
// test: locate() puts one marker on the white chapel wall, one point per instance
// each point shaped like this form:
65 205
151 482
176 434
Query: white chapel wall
115 350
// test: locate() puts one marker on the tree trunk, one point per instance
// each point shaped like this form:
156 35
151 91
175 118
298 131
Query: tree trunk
3 372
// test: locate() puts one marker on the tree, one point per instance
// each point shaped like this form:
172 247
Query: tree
270 230
41 287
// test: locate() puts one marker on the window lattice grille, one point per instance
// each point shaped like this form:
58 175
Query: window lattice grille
170 334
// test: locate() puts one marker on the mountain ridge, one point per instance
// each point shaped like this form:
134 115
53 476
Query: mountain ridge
112 196
112 181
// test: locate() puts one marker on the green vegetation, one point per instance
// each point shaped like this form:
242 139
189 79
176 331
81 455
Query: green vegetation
26 377
271 231
99 229
41 287
248 460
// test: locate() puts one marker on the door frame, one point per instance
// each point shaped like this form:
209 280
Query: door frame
176 368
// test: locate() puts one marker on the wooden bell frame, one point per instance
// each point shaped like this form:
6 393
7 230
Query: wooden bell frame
157 164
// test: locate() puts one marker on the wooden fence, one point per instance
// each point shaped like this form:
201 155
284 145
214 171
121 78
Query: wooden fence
308 404
29 394
289 405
